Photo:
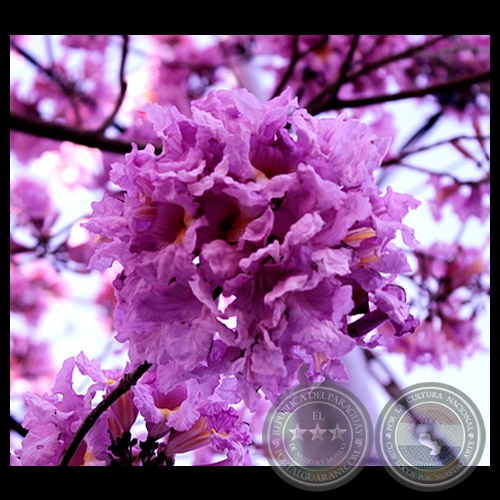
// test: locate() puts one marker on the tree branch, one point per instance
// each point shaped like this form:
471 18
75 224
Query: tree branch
125 384
296 56
405 54
392 161
123 88
483 180
389 384
67 87
405 94
49 130
318 102
16 426
344 70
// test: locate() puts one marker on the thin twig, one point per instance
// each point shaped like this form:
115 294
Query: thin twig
483 180
67 87
390 385
125 384
424 129
404 154
123 87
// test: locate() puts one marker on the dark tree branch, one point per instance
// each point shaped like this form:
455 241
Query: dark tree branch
406 153
484 180
389 383
457 83
423 130
70 89
123 87
365 56
405 54
331 91
125 384
344 70
296 57
16 426
49 130
67 87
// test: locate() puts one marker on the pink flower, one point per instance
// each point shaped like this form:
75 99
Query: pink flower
163 411
451 275
53 419
29 359
31 202
88 42
265 207
467 200
26 147
32 286
218 426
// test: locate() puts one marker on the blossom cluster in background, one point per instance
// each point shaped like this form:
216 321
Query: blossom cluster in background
233 206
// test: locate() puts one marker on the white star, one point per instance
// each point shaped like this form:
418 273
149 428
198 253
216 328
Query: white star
297 433
337 433
317 433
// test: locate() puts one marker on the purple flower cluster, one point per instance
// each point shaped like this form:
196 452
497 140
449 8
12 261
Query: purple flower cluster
32 286
451 275
466 199
256 244
32 205
53 419
181 419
